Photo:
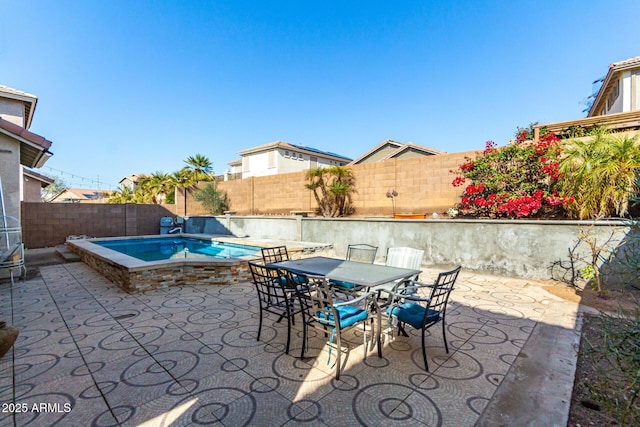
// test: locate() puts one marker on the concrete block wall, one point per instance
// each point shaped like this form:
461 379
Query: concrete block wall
423 185
49 224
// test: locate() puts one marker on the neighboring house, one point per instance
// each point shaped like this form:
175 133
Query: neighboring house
390 149
131 181
282 157
18 146
616 104
32 185
80 195
620 89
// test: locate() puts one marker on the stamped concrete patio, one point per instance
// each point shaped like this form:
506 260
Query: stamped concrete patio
90 354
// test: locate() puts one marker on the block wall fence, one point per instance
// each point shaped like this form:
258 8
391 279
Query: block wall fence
423 186
49 224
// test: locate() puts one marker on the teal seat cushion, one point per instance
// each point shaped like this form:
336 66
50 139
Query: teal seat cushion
345 285
348 315
413 314
297 279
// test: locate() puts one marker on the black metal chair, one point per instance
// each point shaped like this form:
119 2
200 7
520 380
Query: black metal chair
276 254
324 312
410 307
275 296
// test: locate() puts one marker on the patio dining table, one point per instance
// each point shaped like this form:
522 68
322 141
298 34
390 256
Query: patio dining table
362 274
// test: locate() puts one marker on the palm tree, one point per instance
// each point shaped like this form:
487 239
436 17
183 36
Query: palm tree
123 195
316 178
183 179
332 188
341 188
600 174
200 168
158 186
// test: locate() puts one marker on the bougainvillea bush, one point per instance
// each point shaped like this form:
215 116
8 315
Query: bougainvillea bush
515 181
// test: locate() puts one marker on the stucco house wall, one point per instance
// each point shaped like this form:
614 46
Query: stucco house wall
10 174
12 111
277 160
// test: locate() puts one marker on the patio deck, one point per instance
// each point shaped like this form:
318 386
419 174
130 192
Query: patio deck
189 356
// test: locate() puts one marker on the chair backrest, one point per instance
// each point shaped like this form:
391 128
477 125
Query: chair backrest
404 258
441 290
318 302
361 252
268 283
276 254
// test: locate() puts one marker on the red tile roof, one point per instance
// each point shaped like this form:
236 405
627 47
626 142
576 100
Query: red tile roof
32 146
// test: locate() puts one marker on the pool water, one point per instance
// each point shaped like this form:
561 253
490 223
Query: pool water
157 249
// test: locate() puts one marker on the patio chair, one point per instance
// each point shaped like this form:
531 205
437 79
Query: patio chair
276 254
325 313
401 257
410 307
359 252
275 296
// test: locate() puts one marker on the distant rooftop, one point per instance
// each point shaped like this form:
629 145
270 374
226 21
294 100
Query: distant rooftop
287 145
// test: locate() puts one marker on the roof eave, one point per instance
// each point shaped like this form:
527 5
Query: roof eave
614 70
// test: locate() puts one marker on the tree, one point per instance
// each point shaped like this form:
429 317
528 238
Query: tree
332 188
601 174
213 200
199 167
52 190
123 195
158 186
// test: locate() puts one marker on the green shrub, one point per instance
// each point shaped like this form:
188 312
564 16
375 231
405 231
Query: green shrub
515 181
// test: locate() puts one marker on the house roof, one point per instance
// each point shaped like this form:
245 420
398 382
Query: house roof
79 194
607 85
134 177
34 149
44 180
28 100
389 149
288 146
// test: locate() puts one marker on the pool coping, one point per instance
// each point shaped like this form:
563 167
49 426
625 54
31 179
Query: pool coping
135 264
133 274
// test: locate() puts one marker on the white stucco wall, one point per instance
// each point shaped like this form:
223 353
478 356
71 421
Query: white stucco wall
12 111
10 174
626 94
283 163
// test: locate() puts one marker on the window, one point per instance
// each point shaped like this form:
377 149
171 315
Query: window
313 162
272 159
286 153
615 92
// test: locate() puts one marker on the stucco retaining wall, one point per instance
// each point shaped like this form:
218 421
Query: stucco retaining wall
520 248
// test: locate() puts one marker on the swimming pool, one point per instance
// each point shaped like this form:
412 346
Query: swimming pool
186 258
156 249
150 262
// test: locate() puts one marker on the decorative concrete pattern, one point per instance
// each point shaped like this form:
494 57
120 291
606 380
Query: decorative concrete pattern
91 354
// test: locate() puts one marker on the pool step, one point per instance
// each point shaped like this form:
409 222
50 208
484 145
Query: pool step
66 254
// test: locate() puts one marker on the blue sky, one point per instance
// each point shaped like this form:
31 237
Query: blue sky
138 86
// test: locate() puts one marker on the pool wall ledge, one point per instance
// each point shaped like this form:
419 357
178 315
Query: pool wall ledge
134 275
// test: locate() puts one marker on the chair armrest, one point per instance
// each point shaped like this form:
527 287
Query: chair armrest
409 293
356 300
